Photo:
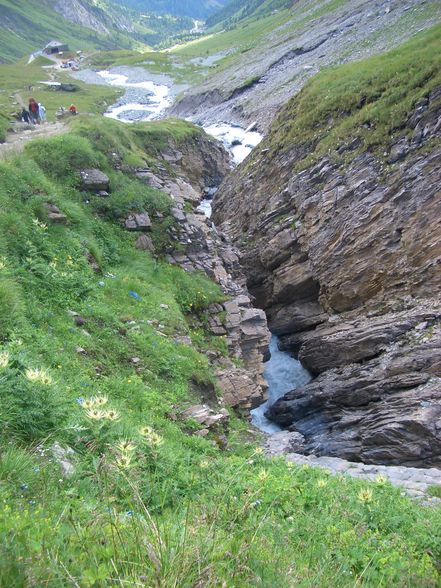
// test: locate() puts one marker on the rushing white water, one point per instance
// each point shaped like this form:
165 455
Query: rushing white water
238 140
156 98
282 373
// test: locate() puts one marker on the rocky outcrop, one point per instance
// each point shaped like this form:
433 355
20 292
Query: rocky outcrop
383 410
316 35
194 168
345 257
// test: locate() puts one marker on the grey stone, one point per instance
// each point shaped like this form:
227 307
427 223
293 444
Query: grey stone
94 180
138 222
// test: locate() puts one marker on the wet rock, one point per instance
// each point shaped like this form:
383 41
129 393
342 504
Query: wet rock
94 180
138 222
284 442
385 410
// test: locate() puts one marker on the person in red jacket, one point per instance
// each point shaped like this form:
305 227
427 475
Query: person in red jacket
73 109
34 111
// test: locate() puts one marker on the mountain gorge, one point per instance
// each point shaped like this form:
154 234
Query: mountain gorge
220 310
337 217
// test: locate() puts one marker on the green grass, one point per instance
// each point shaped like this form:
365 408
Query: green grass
26 28
14 90
143 509
369 100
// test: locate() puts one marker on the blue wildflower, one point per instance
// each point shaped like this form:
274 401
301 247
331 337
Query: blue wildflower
134 295
80 400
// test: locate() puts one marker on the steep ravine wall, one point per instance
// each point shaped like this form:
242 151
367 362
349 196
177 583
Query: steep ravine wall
344 255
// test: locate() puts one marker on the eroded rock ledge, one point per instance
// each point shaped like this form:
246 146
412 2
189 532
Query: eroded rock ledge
346 260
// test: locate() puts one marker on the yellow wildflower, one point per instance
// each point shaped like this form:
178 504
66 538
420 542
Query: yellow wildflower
262 476
381 480
88 403
124 461
4 359
151 437
95 414
112 415
365 495
38 375
101 400
125 446
2 263
321 483
258 450
204 464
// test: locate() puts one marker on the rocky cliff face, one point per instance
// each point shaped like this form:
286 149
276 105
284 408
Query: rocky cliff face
100 18
315 35
344 254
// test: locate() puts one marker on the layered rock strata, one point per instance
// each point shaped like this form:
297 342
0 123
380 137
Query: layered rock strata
346 260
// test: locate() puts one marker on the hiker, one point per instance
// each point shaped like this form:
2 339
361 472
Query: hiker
33 112
73 109
24 116
41 112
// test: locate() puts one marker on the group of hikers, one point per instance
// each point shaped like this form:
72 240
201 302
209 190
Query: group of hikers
36 113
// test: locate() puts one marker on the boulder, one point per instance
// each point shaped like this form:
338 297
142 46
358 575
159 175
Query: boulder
138 222
205 416
94 180
239 389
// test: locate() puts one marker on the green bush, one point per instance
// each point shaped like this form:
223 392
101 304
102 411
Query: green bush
62 157
30 411
131 196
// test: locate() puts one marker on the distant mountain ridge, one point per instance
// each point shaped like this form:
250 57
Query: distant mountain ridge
194 8
237 10
83 24
92 24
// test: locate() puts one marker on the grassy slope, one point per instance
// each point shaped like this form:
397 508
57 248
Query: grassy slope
30 25
366 100
171 511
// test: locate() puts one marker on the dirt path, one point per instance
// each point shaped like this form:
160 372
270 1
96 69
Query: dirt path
16 142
